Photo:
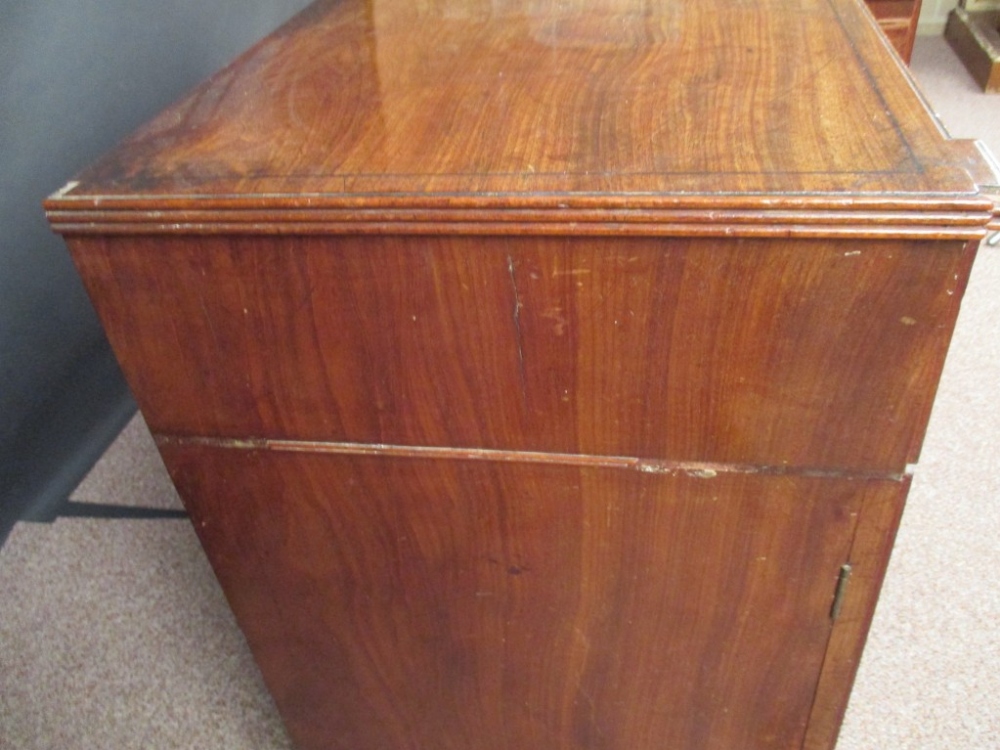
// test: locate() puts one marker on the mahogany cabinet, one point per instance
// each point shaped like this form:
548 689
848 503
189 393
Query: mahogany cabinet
543 375
898 21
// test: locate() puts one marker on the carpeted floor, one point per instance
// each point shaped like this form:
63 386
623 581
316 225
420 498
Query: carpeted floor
115 635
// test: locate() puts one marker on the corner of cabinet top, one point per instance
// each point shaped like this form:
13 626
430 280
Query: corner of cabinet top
655 117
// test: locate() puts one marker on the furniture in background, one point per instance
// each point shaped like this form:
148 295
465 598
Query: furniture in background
542 377
898 21
975 37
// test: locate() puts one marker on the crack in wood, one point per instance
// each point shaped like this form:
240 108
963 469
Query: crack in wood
522 375
705 470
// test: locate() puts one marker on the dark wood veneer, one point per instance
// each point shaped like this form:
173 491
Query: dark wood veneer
531 371
457 604
819 354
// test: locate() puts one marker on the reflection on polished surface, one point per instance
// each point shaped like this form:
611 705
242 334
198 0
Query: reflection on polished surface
529 98
511 96
533 374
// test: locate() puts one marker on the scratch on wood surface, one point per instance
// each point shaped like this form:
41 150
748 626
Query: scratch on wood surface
654 468
702 473
696 471
67 188
208 319
245 444
517 328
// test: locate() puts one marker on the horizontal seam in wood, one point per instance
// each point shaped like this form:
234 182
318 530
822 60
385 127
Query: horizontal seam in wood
537 199
535 229
699 469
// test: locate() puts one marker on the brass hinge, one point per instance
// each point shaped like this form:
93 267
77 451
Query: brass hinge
838 595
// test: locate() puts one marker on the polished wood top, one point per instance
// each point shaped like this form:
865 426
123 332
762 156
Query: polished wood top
447 108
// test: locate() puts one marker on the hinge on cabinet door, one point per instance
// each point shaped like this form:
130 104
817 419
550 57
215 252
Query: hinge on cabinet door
838 595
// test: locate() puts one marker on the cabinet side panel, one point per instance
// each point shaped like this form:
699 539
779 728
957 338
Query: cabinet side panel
449 604
781 353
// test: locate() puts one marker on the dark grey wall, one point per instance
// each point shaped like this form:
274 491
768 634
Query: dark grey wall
75 77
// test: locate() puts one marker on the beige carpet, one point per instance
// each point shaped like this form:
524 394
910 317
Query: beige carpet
114 634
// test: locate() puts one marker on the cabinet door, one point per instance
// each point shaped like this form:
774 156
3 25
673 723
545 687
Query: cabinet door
406 602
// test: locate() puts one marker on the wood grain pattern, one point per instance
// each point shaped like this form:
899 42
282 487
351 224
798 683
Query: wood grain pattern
469 70
389 106
531 369
453 604
809 354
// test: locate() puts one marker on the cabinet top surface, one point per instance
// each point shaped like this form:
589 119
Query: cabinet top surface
534 103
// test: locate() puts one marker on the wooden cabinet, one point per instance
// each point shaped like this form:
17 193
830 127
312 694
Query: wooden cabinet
898 21
540 376
974 35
